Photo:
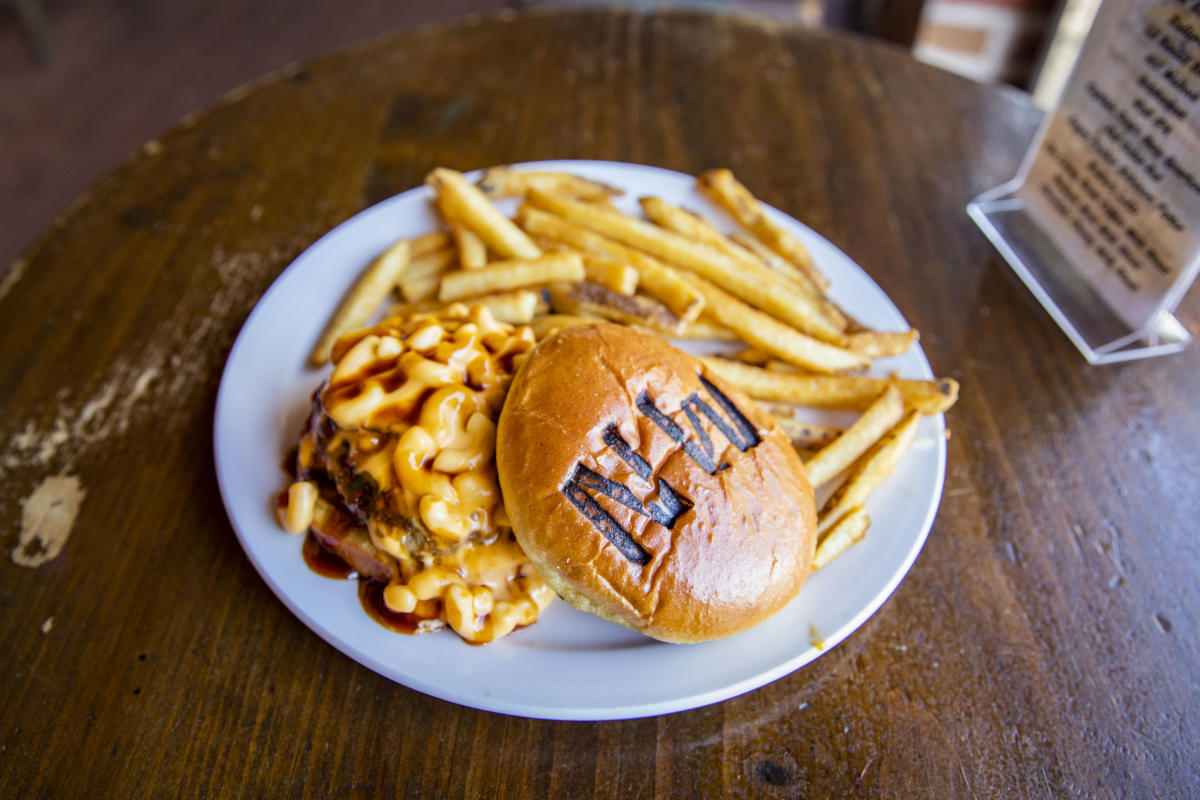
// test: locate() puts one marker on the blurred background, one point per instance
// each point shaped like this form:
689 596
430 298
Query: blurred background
83 83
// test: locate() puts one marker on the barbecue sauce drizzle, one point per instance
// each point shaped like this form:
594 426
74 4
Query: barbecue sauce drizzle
370 592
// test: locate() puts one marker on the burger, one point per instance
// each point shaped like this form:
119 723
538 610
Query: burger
477 474
646 491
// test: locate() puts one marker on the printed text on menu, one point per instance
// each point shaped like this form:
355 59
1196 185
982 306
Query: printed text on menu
1116 180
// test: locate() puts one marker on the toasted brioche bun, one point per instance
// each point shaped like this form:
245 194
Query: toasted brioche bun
723 545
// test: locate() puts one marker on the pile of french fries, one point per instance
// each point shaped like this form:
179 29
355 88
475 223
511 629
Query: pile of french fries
570 257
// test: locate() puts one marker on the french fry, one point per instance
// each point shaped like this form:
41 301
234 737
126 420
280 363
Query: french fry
473 208
472 252
433 263
516 308
769 334
752 254
547 324
500 276
591 299
876 344
422 277
833 391
703 329
508 182
849 530
727 192
839 454
419 288
426 243
654 278
781 266
613 275
773 260
870 471
754 284
368 292
778 264
692 225
759 358
779 408
406 308
775 365
752 355
805 434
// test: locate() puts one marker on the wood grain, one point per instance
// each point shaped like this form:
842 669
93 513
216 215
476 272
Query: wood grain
1044 644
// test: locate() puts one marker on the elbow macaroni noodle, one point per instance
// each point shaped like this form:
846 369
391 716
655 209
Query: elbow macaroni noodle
412 403
297 515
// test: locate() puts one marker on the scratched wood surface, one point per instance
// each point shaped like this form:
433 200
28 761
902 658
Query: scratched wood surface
1044 644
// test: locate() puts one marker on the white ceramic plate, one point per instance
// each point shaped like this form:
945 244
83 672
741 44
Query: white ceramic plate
570 665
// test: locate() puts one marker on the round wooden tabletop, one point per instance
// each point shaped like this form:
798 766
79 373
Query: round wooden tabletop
1041 645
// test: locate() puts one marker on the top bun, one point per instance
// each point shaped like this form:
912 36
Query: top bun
648 492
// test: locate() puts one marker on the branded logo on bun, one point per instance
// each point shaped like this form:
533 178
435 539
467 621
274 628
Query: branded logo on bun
647 492
738 431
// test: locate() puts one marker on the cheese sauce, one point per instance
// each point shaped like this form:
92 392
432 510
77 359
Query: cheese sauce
404 434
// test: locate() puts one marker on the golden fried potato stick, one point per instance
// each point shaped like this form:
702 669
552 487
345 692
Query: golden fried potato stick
877 344
426 243
472 252
704 329
757 286
752 355
475 210
508 182
868 472
500 276
547 324
775 262
593 300
367 293
755 257
421 279
805 435
849 530
839 454
612 275
775 365
692 225
850 392
780 265
656 279
727 192
615 275
772 336
515 308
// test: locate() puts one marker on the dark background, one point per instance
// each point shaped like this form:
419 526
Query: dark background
121 73
110 75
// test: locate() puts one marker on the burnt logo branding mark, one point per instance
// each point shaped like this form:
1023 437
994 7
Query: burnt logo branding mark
584 483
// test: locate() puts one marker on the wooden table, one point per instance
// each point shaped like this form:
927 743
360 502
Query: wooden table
1044 644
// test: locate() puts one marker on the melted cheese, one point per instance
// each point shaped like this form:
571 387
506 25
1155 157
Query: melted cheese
414 403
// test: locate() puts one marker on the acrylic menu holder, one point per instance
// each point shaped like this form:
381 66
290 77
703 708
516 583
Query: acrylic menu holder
1101 221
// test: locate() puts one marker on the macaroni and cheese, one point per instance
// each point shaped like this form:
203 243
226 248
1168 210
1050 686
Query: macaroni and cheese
403 434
